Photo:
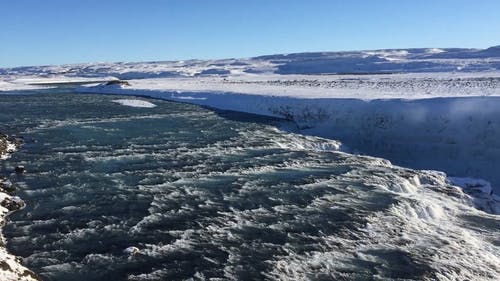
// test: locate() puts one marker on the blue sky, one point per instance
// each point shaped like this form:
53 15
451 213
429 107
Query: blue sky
39 32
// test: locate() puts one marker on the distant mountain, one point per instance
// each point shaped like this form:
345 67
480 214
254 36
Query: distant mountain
350 62
491 52
388 61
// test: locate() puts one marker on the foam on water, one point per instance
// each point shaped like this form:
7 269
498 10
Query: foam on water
179 192
135 103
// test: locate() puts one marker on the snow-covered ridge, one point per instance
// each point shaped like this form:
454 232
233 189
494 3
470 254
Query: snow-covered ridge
15 83
353 62
51 80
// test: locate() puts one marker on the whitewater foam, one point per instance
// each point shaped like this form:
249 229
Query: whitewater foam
135 103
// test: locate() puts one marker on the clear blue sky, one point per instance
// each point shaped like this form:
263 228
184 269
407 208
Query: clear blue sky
38 32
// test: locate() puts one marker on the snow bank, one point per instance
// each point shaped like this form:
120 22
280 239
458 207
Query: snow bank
8 86
20 83
365 87
36 80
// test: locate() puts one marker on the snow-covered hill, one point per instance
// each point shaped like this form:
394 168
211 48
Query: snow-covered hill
355 62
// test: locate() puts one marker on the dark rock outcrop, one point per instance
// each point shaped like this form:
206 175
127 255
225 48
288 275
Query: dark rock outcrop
13 203
118 82
20 169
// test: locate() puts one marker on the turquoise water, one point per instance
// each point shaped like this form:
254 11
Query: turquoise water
205 194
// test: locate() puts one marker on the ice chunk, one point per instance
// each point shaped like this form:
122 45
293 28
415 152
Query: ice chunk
131 250
135 103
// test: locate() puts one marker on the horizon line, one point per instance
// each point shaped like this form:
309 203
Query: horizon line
242 57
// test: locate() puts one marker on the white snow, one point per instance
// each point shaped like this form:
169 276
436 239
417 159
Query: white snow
390 55
422 60
365 87
435 51
8 86
60 80
18 83
12 270
10 149
135 103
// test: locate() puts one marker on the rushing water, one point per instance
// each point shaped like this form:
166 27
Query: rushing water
205 194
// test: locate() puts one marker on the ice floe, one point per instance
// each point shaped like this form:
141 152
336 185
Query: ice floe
135 103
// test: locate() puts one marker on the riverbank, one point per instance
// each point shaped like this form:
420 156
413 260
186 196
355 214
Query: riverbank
11 268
